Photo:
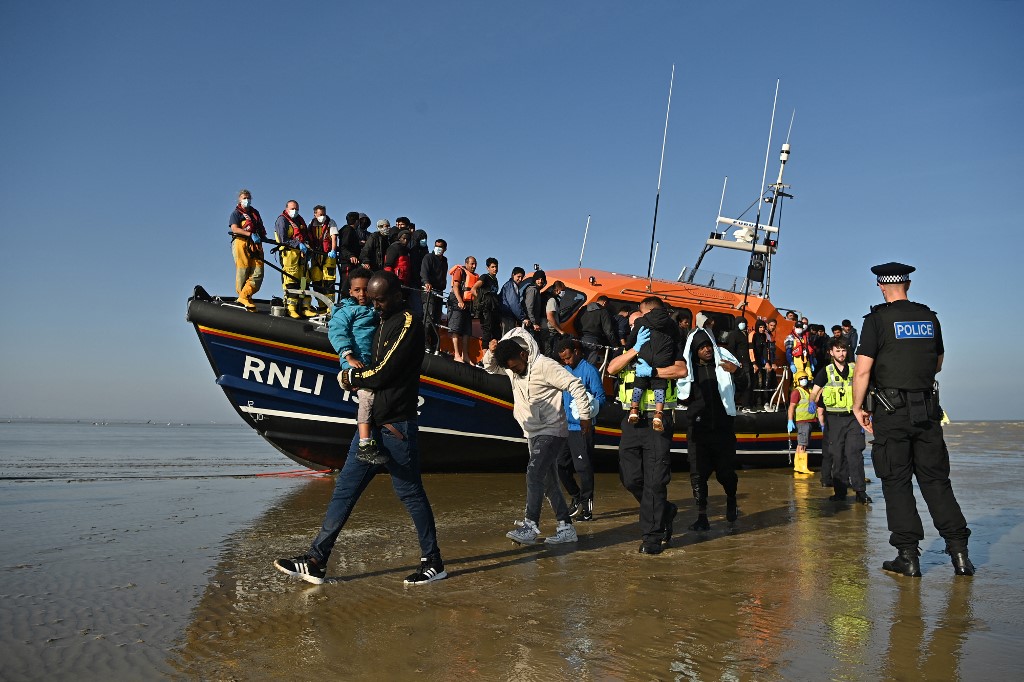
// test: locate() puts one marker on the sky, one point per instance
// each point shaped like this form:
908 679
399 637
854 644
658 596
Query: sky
127 129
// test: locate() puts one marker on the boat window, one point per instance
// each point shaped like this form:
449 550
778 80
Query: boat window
723 321
571 301
615 305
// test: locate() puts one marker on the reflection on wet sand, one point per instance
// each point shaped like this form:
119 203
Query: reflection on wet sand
791 591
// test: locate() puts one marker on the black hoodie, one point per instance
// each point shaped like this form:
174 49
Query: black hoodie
394 370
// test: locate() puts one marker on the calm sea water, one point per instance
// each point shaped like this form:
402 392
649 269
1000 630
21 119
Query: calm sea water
141 551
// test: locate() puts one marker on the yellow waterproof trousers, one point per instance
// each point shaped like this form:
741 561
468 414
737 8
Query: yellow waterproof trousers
248 267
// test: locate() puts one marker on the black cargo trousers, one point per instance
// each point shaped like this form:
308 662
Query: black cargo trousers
645 469
902 450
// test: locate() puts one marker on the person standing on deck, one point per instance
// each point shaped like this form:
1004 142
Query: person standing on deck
434 273
293 237
512 313
645 460
247 232
537 386
901 351
460 307
324 248
393 374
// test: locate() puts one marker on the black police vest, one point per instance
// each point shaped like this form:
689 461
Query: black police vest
908 341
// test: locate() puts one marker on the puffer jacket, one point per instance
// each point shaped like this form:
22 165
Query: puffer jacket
537 397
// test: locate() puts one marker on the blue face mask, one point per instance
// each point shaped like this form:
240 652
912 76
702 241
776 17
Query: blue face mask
423 243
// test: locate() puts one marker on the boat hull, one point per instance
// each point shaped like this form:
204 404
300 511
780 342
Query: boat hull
280 375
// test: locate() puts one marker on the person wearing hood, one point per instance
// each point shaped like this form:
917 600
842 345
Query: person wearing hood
396 260
537 386
372 255
417 252
709 395
645 459
596 327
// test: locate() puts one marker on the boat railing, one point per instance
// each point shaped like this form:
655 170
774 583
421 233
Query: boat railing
720 280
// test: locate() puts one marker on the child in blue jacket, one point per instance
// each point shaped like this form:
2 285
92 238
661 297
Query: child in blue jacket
350 330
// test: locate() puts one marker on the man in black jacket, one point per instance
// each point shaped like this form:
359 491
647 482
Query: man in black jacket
598 331
393 374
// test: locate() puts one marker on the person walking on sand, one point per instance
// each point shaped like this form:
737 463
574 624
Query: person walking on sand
393 373
537 386
644 453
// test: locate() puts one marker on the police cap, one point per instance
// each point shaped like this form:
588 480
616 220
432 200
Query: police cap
892 273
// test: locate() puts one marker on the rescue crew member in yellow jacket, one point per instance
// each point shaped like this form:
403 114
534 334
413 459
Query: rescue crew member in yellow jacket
323 270
842 453
802 413
293 238
901 351
247 232
645 462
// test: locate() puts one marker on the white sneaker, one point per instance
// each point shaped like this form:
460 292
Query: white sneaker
525 532
563 533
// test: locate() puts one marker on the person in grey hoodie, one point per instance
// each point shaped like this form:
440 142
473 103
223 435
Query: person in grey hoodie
537 385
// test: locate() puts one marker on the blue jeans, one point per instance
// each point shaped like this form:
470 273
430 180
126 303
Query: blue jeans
542 478
404 466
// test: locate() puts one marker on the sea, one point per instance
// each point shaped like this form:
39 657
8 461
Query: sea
144 551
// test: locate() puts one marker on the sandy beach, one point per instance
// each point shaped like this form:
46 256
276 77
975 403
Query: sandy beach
173 578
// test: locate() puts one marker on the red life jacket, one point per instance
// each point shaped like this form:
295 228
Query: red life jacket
322 232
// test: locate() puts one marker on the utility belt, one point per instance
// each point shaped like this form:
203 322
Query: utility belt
921 406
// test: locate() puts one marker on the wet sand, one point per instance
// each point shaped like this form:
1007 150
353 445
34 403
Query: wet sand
793 590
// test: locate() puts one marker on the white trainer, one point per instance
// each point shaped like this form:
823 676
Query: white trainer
563 533
525 532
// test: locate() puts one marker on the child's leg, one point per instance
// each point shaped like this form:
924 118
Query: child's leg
367 451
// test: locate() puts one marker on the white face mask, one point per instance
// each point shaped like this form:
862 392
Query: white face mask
322 219
423 243
244 203
292 213
741 326
438 251
803 382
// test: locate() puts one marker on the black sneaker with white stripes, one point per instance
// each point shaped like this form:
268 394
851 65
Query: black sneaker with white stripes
302 567
431 569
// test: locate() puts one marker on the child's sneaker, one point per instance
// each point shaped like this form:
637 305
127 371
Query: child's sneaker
563 533
302 567
525 532
368 452
634 416
657 424
431 569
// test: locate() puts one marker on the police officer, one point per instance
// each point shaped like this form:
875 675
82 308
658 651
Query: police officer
645 465
900 352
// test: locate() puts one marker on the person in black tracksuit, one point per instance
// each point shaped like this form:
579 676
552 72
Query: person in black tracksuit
900 353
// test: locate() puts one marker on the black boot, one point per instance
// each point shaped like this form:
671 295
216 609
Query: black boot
701 523
730 509
961 563
840 493
863 498
670 516
906 563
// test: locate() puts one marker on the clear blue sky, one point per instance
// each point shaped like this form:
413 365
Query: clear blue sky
128 127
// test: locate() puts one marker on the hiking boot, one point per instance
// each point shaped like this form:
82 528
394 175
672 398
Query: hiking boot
587 510
863 497
906 563
302 567
961 563
431 569
651 548
575 507
670 517
730 509
701 523
368 453
563 533
525 532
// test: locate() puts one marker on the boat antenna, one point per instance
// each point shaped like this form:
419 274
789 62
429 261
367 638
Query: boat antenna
650 280
661 166
764 176
585 231
778 194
